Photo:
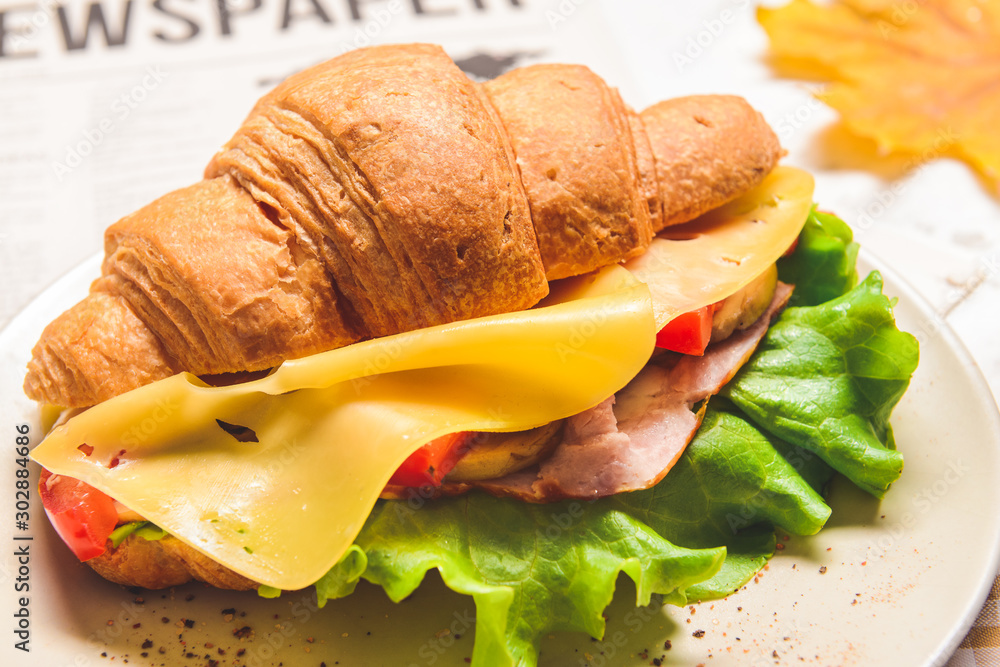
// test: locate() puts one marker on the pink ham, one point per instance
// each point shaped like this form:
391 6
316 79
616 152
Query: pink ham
632 439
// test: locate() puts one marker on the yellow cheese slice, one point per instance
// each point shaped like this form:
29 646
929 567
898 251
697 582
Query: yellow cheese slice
708 259
332 428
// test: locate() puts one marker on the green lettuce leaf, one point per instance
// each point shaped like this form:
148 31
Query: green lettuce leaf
343 577
119 534
144 529
531 569
822 266
731 478
826 379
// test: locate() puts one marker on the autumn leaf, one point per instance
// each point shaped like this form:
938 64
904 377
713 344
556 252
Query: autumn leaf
916 76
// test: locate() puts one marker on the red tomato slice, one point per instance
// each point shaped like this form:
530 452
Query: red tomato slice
428 465
688 333
83 516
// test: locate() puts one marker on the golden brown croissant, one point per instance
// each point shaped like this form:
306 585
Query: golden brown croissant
163 563
383 191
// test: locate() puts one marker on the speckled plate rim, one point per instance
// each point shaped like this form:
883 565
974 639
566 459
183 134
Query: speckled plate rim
984 579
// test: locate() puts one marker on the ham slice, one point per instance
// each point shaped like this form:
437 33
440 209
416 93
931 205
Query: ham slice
630 441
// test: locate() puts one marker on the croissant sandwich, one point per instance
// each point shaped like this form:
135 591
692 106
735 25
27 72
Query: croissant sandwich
395 282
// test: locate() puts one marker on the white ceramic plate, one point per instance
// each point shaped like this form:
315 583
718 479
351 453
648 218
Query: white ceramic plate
897 582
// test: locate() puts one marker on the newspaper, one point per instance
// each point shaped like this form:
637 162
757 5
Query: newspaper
107 104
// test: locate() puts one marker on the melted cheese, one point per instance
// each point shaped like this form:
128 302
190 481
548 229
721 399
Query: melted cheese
333 427
700 262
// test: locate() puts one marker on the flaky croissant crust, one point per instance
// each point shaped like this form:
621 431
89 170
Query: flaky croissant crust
383 191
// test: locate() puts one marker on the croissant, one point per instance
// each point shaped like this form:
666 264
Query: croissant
383 191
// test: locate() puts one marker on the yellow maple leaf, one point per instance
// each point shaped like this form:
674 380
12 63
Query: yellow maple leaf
918 76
